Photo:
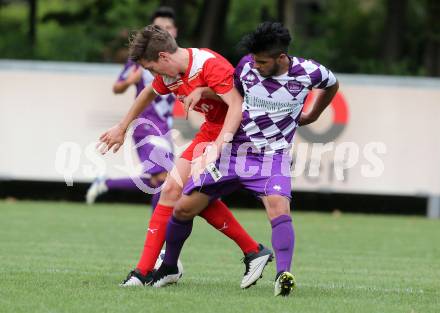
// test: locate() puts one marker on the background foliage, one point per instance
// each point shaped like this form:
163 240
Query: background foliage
400 37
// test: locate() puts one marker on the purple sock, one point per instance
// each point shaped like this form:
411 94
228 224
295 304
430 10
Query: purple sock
177 233
283 242
124 183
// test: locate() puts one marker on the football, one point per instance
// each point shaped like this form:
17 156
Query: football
160 259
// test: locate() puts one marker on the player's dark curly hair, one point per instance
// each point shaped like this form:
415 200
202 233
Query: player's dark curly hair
269 37
163 12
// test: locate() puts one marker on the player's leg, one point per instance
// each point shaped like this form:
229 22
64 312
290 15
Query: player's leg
171 192
256 255
157 159
178 230
272 183
172 189
283 241
218 215
156 156
157 226
255 258
102 185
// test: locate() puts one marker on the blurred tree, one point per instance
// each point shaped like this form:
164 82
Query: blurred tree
32 22
179 7
210 27
432 46
286 13
186 13
91 11
394 29
399 37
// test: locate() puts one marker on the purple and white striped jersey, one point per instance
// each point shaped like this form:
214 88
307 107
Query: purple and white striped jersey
272 105
160 112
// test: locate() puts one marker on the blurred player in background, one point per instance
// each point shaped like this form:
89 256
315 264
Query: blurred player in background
274 86
181 71
159 117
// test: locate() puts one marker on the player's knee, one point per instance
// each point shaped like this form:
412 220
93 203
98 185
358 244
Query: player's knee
171 191
184 212
278 207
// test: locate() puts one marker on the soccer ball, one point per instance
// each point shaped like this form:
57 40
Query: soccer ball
160 260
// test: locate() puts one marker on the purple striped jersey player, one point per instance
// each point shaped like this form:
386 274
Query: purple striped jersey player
153 148
274 86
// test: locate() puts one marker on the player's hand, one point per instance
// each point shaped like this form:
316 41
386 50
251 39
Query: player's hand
112 138
198 165
306 118
191 100
135 76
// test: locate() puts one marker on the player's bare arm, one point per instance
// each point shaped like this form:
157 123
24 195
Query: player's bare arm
194 97
323 99
233 118
114 137
232 121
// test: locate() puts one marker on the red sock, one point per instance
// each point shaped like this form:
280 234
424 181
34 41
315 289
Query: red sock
155 238
218 215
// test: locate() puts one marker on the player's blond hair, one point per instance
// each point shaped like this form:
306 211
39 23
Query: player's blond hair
148 42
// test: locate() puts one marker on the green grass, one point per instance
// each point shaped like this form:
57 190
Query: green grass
61 257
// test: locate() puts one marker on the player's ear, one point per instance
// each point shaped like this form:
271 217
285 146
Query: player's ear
282 56
164 56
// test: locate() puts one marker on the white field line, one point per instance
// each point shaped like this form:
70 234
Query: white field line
363 288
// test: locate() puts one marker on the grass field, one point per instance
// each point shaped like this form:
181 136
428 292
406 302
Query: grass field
61 257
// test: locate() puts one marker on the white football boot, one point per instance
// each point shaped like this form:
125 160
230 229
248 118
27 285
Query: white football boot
97 188
255 263
135 278
165 275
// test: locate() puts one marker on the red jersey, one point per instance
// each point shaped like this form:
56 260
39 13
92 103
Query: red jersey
205 69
